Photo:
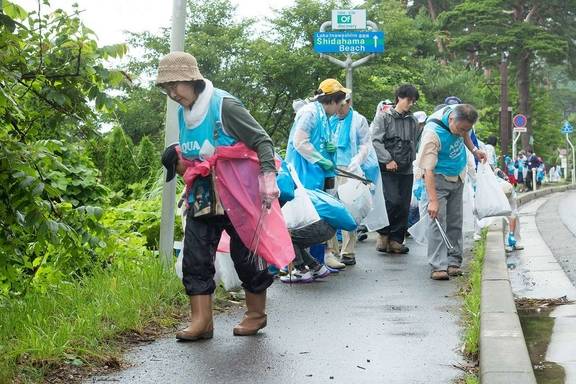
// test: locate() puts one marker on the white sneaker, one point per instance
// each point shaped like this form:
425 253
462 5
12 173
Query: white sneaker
321 272
332 262
297 277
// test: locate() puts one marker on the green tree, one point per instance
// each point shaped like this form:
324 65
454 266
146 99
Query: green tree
535 33
143 113
147 160
52 88
121 169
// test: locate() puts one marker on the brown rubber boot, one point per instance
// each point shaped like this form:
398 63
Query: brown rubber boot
396 247
201 325
382 243
255 317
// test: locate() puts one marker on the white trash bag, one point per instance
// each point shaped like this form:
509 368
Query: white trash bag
419 231
299 212
468 208
179 247
490 200
225 272
378 217
357 198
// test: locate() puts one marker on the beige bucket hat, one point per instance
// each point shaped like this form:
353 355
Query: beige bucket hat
178 66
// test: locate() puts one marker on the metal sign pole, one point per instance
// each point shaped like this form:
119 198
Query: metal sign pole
348 64
573 159
518 134
171 136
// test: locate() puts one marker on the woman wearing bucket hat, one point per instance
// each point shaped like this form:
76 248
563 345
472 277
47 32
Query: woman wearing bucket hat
311 144
211 119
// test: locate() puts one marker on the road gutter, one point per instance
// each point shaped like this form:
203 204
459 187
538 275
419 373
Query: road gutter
503 352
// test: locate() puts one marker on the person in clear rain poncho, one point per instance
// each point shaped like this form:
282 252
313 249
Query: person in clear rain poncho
311 144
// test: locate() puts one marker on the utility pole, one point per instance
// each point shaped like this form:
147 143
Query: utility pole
171 137
505 133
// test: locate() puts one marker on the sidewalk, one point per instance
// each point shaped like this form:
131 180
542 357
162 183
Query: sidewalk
381 321
535 272
530 273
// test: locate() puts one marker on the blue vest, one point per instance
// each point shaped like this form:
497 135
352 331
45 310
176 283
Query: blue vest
346 146
312 175
208 131
452 155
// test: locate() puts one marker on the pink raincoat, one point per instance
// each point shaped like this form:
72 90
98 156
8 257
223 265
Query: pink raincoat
236 169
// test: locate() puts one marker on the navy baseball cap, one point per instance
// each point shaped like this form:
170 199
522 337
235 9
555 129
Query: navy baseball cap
451 100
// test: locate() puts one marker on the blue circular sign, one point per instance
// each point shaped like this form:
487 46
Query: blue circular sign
520 121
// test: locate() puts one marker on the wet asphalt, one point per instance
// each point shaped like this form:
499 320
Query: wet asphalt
556 222
381 321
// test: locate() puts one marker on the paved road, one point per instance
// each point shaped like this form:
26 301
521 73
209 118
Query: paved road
556 221
381 321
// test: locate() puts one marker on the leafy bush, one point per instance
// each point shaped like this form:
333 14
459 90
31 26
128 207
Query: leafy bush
138 217
49 190
49 224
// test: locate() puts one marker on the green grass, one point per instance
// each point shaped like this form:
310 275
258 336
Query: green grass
471 307
79 322
471 379
471 304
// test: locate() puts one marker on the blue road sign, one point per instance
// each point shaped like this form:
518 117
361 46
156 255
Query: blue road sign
520 121
567 127
349 42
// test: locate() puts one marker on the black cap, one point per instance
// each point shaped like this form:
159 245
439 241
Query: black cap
169 161
452 100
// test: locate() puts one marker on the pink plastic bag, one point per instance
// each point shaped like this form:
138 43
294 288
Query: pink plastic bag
237 170
224 244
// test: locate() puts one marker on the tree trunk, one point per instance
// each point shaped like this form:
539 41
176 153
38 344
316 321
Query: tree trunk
524 94
438 40
432 10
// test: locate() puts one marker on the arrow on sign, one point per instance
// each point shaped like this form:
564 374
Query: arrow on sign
375 41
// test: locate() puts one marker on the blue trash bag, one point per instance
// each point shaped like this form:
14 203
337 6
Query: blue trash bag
331 210
370 167
317 252
285 184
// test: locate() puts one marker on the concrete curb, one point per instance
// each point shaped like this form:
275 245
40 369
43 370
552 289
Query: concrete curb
529 196
504 355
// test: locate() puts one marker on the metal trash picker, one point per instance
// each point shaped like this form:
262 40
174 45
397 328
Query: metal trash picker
443 234
256 238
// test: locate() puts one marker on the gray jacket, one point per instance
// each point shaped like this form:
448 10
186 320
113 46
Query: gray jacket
395 137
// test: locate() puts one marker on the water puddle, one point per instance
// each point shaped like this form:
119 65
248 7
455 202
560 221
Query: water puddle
538 327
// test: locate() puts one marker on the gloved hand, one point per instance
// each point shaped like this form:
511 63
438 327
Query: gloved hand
326 164
268 188
418 189
330 147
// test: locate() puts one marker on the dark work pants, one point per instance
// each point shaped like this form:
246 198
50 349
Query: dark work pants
201 240
302 238
397 193
528 181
